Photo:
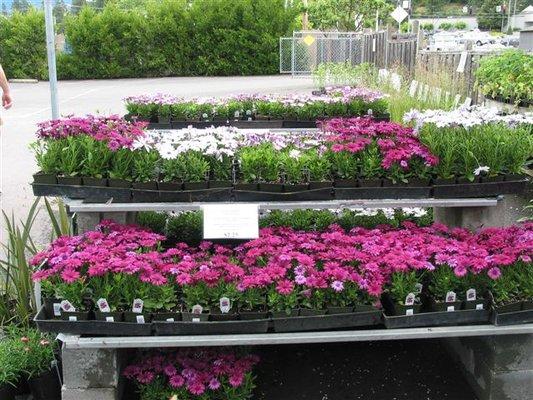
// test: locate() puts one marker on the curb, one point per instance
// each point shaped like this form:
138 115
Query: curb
23 80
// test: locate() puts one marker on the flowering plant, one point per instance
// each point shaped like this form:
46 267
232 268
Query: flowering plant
191 374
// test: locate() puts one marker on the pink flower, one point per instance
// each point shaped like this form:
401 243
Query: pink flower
285 287
176 381
337 286
494 273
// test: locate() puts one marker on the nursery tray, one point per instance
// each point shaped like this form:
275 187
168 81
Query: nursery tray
485 189
440 318
304 195
399 192
121 195
91 327
189 196
512 318
211 328
325 322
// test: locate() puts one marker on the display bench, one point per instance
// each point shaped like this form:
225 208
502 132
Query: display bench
497 360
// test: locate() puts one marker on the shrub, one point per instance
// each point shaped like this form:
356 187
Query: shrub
446 26
460 25
428 27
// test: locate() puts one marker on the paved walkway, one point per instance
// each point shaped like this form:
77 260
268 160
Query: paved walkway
32 104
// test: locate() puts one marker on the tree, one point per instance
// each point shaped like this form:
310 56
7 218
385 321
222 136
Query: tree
20 5
59 11
488 18
346 15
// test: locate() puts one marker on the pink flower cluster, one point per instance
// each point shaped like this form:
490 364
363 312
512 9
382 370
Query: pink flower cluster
398 145
114 130
288 260
196 371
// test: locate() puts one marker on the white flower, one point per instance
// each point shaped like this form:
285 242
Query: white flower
480 169
294 154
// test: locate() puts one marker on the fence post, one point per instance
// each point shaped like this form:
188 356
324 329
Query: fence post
388 36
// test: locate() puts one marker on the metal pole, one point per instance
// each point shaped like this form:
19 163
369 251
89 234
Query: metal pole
51 52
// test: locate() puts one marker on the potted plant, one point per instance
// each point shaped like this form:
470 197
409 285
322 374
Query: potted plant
70 161
47 156
312 302
11 371
474 289
260 164
318 170
221 171
145 169
292 163
444 286
405 293
505 289
75 299
196 302
121 169
345 166
222 305
282 300
96 161
252 303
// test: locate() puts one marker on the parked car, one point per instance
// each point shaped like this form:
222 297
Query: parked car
444 41
478 37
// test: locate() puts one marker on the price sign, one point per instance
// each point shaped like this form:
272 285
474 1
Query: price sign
231 221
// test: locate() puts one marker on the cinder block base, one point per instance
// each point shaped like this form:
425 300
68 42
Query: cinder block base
90 368
497 367
89 394
87 221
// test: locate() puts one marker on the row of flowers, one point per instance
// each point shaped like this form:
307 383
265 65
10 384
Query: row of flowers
344 149
334 102
190 373
285 269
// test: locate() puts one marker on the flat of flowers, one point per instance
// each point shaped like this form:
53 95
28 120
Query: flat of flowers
326 322
211 328
479 189
91 327
393 192
512 318
440 318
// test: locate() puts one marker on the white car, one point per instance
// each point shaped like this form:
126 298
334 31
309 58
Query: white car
444 41
478 37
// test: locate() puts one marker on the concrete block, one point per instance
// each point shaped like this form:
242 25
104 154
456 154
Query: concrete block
512 385
89 394
512 352
90 368
86 222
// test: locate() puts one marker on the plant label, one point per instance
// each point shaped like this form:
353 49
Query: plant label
170 319
103 306
204 116
57 309
450 297
138 305
409 311
140 319
67 306
231 221
197 309
196 320
110 319
410 299
72 318
225 305
418 288
450 308
479 306
471 294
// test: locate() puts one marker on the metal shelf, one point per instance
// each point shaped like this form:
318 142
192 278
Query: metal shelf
76 342
78 206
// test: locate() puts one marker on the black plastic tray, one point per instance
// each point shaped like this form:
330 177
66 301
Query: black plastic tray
304 195
512 318
94 193
91 327
326 322
398 192
439 318
479 189
211 328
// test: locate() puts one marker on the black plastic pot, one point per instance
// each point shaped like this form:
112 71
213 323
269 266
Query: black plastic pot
97 182
166 316
511 307
512 318
296 188
258 124
364 308
119 183
114 316
345 183
478 304
497 178
527 305
247 186
271 187
40 177
443 181
284 314
444 305
211 328
195 185
69 180
340 310
49 307
440 318
130 316
190 317
74 316
152 185
216 315
404 192
369 182
170 186
308 312
163 120
7 392
46 386
402 309
157 125
251 315
320 185
220 184
479 189
327 322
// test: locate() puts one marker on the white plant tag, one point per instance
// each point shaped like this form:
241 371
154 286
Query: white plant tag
410 299
138 305
450 297
57 309
170 319
196 320
197 309
237 114
225 305
110 319
72 318
471 294
479 306
409 311
140 319
418 288
103 306
67 306
450 308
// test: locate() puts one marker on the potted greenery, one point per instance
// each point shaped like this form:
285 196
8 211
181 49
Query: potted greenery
221 171
47 154
96 161
292 163
444 286
10 372
222 299
282 300
318 170
145 169
345 166
260 165
70 162
75 300
474 287
120 170
252 304
404 291
371 170
196 302
505 289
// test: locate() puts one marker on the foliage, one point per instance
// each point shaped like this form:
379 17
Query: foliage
443 280
185 227
507 75
334 74
487 16
446 26
260 163
461 25
403 283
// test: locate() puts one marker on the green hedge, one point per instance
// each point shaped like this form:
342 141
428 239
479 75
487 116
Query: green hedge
23 45
166 38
